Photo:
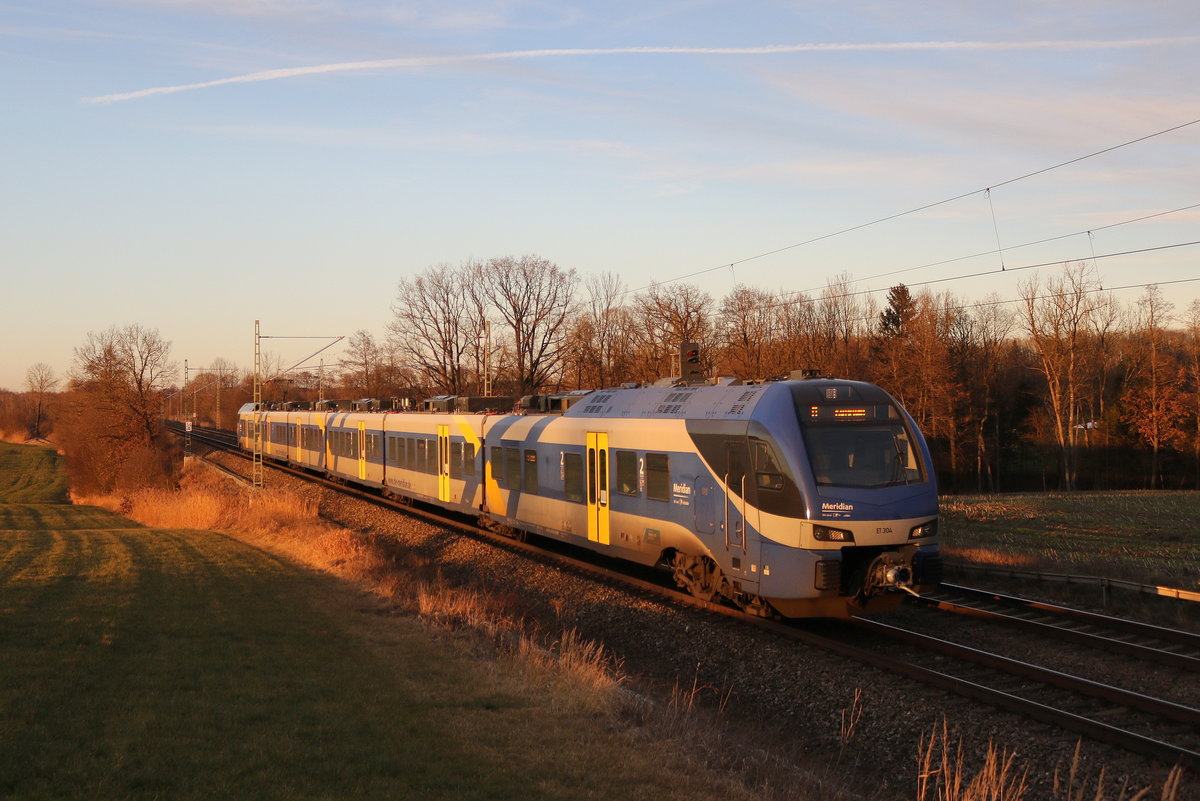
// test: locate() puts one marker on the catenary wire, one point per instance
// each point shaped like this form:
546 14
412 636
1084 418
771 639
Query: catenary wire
918 209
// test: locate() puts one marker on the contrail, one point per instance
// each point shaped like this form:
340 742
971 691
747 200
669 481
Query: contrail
417 62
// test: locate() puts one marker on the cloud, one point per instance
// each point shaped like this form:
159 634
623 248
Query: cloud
421 62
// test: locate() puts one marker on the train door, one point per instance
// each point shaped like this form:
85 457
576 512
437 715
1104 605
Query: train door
443 449
362 450
597 488
735 496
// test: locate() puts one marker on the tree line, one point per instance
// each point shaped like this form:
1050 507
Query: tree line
1066 388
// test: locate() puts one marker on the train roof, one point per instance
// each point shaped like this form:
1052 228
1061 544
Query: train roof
721 402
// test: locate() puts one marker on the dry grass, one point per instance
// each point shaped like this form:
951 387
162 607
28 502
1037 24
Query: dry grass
943 775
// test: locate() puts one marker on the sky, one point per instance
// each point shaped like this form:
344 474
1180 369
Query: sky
192 166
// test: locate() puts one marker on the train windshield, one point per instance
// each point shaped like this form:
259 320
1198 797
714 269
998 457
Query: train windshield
879 453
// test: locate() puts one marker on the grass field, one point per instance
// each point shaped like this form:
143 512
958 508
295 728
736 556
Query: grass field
163 663
1150 537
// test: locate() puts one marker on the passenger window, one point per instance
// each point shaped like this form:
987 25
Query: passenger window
498 466
530 481
573 476
658 477
767 473
512 468
468 458
627 473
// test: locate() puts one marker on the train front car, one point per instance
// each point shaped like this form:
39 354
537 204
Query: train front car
842 485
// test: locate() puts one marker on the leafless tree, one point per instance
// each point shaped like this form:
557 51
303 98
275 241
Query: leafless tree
431 327
1193 363
1057 322
362 366
600 338
41 382
1153 399
746 325
667 316
534 298
127 369
110 427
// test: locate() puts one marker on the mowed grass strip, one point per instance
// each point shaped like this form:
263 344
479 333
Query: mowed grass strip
182 664
31 475
165 663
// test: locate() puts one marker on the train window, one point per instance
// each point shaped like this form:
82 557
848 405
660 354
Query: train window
658 477
498 466
373 448
456 459
410 451
573 476
512 468
468 458
875 455
529 483
767 474
627 473
431 456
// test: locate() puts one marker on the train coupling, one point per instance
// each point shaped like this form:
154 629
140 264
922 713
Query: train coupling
889 571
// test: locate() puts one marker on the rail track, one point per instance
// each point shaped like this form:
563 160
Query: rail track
1152 727
1166 646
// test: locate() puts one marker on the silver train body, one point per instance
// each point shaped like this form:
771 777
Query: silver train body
804 498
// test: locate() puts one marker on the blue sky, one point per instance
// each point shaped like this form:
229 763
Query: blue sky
194 165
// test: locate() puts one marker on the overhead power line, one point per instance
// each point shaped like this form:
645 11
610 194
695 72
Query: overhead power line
997 271
918 209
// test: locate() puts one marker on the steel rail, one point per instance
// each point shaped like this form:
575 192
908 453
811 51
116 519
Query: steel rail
1176 659
1121 624
1069 721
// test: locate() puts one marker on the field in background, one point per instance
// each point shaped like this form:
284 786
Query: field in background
1147 537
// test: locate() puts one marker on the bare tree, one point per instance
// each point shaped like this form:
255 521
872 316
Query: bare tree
665 318
40 381
362 366
1057 322
1193 342
746 324
534 297
1154 399
601 337
431 328
111 426
128 368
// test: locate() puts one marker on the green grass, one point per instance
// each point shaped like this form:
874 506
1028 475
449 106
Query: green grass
1151 537
153 663
31 475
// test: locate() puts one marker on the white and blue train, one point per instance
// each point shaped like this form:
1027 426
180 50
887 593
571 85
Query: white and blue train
803 497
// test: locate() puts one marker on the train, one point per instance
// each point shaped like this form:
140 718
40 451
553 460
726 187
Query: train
798 497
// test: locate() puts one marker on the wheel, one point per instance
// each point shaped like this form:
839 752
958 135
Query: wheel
699 576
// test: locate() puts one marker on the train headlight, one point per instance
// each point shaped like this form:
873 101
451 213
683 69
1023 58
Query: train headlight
923 531
827 534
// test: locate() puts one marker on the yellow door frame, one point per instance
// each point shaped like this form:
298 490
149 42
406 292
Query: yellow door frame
597 488
443 450
362 450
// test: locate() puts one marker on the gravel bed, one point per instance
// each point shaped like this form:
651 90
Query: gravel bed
773 699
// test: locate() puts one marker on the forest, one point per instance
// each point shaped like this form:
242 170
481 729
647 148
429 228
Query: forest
1068 387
